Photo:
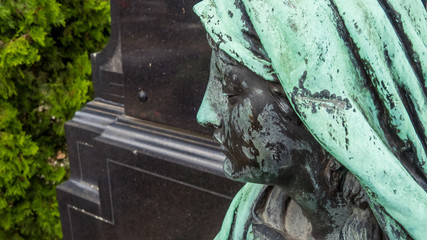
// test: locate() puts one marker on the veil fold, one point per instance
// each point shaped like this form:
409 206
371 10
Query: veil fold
355 72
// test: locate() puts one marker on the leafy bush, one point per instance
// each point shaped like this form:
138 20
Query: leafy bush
44 78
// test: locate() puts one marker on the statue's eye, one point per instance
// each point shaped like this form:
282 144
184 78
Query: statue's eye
231 97
232 84
232 89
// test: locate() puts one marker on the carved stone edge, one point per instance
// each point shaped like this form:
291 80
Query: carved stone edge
106 126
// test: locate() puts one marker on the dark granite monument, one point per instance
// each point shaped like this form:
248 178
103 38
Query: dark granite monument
326 102
141 167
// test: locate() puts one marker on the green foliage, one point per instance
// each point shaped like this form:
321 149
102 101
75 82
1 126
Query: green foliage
44 78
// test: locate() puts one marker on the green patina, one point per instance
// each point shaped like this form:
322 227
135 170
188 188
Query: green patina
325 53
239 211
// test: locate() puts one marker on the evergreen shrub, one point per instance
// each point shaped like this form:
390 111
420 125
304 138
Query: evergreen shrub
44 78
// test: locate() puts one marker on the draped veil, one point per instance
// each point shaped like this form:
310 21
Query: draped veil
355 72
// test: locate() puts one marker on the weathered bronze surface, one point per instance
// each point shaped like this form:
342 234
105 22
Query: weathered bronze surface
325 103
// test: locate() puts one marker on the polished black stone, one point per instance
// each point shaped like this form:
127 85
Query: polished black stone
135 178
158 47
166 55
141 167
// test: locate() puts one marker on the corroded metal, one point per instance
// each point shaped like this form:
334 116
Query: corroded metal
354 73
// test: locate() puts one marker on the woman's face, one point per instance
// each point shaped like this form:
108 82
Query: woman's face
261 136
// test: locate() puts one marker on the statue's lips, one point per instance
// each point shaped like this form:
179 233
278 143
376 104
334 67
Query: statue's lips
218 136
225 150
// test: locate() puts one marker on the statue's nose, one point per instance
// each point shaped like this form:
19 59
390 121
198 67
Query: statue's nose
213 104
210 112
208 115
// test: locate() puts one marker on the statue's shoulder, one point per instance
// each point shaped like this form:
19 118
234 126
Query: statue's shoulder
256 212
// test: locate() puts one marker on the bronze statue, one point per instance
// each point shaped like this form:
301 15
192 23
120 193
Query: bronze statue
323 101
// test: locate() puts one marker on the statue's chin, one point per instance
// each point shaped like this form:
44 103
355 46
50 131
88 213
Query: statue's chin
228 168
231 173
247 174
